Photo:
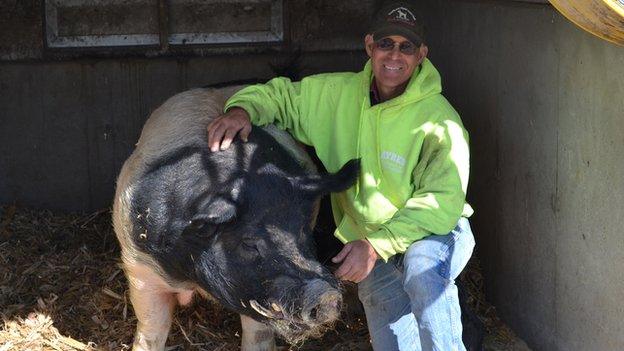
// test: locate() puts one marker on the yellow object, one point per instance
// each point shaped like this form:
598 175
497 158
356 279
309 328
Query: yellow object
603 18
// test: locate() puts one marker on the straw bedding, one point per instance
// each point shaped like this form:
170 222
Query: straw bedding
62 288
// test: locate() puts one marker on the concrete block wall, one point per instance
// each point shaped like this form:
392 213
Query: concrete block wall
544 103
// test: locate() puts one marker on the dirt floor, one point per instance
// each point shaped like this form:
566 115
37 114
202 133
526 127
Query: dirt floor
62 288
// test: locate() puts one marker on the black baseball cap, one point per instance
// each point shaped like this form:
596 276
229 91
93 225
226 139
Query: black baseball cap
398 18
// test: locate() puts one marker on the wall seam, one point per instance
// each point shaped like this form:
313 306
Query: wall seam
557 202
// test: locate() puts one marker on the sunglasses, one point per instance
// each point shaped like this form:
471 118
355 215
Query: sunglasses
405 47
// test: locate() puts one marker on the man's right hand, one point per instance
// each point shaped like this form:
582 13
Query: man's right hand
223 129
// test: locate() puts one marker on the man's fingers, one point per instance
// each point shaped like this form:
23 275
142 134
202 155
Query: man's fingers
217 137
349 268
342 254
223 129
360 276
344 271
210 130
212 127
352 273
228 138
244 133
350 276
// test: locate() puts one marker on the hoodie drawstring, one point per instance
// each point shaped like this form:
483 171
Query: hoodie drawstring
357 147
378 144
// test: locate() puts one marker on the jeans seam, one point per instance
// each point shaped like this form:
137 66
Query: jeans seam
443 256
452 316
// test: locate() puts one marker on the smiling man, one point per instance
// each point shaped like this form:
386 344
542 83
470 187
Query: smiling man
404 223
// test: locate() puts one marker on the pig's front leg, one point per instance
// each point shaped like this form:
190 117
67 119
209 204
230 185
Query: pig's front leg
256 336
153 307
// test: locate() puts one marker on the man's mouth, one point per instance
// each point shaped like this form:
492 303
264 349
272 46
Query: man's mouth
392 68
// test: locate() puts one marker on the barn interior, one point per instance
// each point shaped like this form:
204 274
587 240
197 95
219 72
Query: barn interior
541 97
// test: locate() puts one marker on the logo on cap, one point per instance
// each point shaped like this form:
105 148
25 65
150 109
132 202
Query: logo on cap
401 14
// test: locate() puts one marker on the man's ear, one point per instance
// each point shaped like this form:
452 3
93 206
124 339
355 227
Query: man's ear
368 43
422 52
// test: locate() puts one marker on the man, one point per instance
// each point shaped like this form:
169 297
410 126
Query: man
404 221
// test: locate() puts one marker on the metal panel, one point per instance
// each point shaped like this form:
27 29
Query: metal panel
330 25
97 23
225 21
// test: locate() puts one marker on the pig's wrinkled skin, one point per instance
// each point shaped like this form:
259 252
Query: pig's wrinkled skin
234 225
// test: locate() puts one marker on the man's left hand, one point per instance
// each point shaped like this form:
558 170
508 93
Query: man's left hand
358 259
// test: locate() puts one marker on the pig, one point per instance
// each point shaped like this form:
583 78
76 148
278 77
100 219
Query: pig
233 225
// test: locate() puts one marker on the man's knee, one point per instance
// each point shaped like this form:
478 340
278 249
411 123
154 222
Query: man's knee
425 262
427 282
439 258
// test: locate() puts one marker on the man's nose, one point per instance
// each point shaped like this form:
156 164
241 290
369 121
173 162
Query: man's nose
396 50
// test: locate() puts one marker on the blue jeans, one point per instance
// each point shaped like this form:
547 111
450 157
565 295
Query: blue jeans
411 301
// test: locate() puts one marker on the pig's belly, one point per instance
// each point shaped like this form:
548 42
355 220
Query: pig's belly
143 277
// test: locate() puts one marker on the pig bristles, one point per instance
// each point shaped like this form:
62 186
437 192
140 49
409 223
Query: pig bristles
284 329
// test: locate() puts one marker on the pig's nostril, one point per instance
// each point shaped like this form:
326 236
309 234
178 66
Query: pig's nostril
327 309
323 314
314 313
321 302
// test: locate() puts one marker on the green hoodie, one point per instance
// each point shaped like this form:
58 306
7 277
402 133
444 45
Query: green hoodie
413 149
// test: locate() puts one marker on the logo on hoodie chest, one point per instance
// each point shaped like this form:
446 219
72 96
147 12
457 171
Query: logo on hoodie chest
392 162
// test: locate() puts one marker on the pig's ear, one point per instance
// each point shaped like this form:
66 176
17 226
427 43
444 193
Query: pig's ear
206 221
222 210
218 210
332 183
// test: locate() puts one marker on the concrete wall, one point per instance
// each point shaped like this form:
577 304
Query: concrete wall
544 103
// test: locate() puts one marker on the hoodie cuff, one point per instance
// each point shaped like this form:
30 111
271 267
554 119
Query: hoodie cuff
382 243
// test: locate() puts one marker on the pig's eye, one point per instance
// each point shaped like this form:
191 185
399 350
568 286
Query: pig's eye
197 224
201 227
250 246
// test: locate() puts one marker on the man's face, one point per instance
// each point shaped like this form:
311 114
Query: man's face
392 68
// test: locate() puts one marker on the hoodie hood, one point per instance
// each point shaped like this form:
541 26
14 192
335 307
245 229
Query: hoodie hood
425 82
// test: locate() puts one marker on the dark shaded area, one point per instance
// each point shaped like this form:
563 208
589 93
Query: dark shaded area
474 329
